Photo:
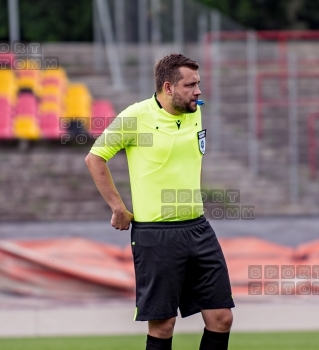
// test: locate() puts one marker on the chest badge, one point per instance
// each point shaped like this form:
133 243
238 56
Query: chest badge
178 123
201 135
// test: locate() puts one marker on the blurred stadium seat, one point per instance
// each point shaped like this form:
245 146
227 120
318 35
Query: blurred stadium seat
5 118
54 76
78 105
26 127
26 104
33 101
8 85
50 106
49 125
29 79
52 93
6 60
102 115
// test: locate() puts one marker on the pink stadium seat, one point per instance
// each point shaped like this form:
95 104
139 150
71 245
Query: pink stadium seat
51 98
26 108
27 73
26 104
26 97
104 103
6 60
5 107
103 109
102 115
5 118
98 124
49 125
5 133
52 81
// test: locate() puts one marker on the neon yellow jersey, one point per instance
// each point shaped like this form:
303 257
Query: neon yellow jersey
164 154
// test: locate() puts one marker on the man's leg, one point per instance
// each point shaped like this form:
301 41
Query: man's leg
217 327
160 334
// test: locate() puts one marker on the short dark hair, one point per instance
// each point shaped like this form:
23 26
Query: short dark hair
167 69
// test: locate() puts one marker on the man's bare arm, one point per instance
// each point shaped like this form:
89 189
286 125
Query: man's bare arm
102 177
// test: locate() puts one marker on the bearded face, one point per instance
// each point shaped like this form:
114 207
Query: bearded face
182 104
186 92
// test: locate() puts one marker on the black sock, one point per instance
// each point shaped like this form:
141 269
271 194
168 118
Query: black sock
153 343
214 341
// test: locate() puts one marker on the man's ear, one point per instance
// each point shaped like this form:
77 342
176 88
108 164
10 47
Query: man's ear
167 88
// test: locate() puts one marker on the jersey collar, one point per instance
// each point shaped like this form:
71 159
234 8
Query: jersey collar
166 114
157 101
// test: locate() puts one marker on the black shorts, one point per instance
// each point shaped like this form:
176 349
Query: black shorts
178 265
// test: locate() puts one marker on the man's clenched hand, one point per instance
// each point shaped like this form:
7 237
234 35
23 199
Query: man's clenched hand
121 219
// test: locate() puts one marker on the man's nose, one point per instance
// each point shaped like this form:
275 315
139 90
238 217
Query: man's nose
197 91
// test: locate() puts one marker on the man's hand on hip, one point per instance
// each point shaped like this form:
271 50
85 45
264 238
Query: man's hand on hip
121 219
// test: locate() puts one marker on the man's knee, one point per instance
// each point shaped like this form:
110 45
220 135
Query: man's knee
162 328
218 320
225 319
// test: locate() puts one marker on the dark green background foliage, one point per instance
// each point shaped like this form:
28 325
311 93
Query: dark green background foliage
270 14
69 20
3 20
59 20
309 13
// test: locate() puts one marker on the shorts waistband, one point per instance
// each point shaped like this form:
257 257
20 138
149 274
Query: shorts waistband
169 224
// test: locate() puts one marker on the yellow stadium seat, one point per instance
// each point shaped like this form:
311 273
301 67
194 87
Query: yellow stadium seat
6 75
76 112
60 72
76 87
26 127
30 83
51 90
48 106
8 85
78 91
78 101
83 102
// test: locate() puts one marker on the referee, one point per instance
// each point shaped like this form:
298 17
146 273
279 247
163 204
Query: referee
178 261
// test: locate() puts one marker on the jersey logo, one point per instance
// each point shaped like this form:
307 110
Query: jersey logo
201 135
178 123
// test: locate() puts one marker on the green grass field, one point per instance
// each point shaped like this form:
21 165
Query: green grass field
238 341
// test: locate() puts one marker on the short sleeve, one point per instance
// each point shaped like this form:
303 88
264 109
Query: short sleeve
121 133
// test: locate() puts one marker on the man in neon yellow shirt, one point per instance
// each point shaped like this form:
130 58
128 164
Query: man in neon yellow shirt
177 258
